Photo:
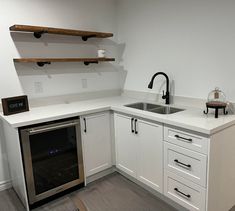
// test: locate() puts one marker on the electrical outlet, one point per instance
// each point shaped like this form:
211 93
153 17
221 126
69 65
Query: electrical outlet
84 83
38 88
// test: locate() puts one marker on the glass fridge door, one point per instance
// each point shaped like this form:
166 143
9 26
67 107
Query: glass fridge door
53 160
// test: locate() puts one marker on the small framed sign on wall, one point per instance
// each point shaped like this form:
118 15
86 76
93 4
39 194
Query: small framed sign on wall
14 105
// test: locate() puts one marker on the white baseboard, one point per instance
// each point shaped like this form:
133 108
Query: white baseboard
99 175
5 185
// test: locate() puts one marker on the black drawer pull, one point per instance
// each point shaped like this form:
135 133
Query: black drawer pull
136 132
183 164
132 130
186 195
187 139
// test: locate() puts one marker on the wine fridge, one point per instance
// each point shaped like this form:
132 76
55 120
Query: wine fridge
52 156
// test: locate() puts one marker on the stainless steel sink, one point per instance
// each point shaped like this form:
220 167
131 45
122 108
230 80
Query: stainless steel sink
154 108
166 110
144 106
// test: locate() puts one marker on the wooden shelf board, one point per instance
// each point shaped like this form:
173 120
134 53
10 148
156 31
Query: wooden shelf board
50 30
30 60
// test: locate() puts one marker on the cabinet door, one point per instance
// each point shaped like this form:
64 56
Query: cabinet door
125 141
96 137
150 154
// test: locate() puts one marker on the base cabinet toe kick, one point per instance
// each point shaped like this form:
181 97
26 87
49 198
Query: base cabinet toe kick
188 168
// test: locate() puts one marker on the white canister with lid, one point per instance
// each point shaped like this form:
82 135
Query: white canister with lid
101 53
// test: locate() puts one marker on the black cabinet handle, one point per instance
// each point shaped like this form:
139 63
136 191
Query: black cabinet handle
136 132
187 139
186 195
85 129
132 129
183 164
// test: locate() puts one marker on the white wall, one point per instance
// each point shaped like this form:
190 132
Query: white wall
58 78
191 40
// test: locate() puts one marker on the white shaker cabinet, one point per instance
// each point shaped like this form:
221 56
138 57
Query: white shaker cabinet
150 154
96 140
126 147
139 149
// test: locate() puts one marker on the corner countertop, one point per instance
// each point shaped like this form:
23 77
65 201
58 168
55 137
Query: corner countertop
190 118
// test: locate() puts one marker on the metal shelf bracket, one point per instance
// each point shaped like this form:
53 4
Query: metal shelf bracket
85 38
39 34
94 62
41 64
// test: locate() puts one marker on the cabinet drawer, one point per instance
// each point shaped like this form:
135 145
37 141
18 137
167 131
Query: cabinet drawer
187 140
184 192
186 163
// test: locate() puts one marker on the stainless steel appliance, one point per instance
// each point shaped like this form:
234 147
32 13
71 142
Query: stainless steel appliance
52 155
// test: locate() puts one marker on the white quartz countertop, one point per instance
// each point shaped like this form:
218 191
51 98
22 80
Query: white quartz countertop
191 118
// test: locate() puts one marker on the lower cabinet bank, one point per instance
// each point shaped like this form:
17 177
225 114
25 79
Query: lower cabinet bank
192 169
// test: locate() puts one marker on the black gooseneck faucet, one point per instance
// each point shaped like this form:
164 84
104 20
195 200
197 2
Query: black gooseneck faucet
164 96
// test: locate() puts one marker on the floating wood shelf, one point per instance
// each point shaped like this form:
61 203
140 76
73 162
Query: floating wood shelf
42 61
39 30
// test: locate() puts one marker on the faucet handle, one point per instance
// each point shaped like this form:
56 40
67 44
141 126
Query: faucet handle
163 95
